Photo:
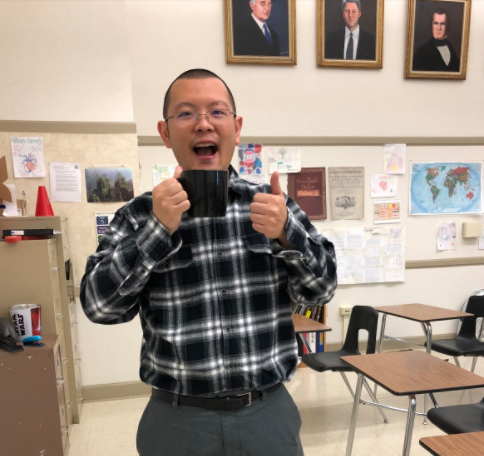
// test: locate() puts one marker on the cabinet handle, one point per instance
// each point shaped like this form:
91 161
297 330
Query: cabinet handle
80 399
77 361
66 246
59 316
73 324
65 360
68 404
60 381
54 269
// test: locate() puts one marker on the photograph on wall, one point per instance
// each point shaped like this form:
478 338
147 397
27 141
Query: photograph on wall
437 39
445 188
308 189
260 31
346 193
350 33
109 185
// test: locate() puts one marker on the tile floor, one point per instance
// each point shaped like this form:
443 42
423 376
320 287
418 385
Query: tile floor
109 428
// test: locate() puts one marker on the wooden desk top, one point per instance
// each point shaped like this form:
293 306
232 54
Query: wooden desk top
413 372
303 324
469 444
422 312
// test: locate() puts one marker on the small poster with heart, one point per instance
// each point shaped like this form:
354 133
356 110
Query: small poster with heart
383 185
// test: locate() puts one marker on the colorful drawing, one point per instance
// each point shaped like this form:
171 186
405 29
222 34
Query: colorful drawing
250 159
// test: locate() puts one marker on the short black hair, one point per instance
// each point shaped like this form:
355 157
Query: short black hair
196 73
447 18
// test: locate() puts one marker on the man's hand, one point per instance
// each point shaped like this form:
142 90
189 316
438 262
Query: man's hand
269 213
170 201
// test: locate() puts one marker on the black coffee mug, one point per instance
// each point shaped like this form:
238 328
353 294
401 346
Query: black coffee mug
207 192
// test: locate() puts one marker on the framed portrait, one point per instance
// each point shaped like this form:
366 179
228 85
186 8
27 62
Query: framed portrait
437 39
350 33
260 31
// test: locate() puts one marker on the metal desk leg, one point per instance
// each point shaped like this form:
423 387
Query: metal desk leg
412 405
474 361
354 416
427 329
380 345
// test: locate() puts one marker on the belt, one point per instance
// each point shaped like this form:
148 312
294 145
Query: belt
235 402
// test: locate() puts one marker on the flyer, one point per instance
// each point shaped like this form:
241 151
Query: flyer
346 186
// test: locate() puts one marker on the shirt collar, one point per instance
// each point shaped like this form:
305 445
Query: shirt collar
356 32
235 182
259 23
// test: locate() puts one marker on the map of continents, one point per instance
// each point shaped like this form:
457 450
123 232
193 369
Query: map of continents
445 188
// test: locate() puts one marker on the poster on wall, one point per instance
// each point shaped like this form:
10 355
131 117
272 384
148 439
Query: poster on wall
446 236
386 211
65 182
162 172
346 194
283 159
28 157
394 156
109 185
103 219
250 162
383 185
308 190
368 255
446 188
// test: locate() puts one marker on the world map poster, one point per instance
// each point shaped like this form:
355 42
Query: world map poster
446 188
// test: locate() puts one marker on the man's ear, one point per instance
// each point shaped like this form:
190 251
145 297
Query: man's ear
238 128
164 133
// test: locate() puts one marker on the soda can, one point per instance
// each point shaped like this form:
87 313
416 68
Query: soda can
25 320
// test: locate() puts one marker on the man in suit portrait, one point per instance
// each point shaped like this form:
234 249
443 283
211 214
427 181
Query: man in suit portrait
350 42
437 54
253 36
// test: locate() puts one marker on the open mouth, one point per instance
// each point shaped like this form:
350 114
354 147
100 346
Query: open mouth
206 149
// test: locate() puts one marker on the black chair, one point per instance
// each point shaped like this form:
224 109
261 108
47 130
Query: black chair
362 317
466 343
458 419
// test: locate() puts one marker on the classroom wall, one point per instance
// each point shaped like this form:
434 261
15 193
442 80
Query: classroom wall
111 61
64 61
168 37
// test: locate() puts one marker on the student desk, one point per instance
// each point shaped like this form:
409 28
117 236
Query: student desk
305 325
468 444
422 314
407 373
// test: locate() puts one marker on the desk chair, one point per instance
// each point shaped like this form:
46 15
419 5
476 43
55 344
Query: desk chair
458 419
466 343
362 317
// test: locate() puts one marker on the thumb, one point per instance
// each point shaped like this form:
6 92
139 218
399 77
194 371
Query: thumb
178 172
275 185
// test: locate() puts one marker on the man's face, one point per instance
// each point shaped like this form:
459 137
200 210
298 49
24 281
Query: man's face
261 9
438 26
351 14
219 140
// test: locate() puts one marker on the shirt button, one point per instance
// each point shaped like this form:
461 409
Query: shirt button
287 256
142 271
224 291
219 254
231 366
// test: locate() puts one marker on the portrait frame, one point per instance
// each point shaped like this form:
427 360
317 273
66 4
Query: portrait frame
290 43
324 61
413 45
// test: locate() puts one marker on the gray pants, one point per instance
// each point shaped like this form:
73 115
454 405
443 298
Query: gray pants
268 427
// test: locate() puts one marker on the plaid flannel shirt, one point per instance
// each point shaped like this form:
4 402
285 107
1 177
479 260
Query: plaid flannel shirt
213 298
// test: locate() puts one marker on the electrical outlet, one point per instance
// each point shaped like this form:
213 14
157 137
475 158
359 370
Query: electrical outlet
345 310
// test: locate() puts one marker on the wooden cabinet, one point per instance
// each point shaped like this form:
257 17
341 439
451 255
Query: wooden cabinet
40 272
34 417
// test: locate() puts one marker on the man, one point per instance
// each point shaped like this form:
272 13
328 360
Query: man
350 43
437 54
213 295
254 36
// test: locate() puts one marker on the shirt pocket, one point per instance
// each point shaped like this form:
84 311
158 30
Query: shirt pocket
176 282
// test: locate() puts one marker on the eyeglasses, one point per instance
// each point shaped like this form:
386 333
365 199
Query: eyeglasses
215 117
265 4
